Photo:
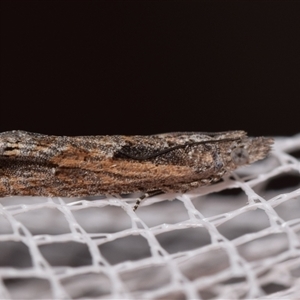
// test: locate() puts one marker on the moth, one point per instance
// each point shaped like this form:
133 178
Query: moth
33 164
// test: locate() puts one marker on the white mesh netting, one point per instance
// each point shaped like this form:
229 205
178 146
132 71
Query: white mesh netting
238 239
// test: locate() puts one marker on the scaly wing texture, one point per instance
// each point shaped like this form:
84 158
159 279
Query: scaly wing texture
41 165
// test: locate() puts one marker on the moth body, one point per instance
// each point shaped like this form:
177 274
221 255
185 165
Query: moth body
39 165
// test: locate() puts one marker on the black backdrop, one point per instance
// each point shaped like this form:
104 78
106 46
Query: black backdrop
142 67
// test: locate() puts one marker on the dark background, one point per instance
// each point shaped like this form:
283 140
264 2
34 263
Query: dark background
142 67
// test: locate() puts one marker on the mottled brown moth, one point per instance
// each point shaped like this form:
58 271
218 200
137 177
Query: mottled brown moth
41 165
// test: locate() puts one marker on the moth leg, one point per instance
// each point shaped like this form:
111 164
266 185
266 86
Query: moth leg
146 195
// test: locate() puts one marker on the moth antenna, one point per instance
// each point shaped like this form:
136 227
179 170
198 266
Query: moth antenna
146 195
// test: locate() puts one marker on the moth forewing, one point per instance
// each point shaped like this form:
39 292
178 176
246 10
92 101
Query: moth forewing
41 165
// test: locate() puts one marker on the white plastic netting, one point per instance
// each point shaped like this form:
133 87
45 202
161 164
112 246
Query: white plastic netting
238 239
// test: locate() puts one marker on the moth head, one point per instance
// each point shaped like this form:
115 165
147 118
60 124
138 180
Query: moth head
249 150
240 156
